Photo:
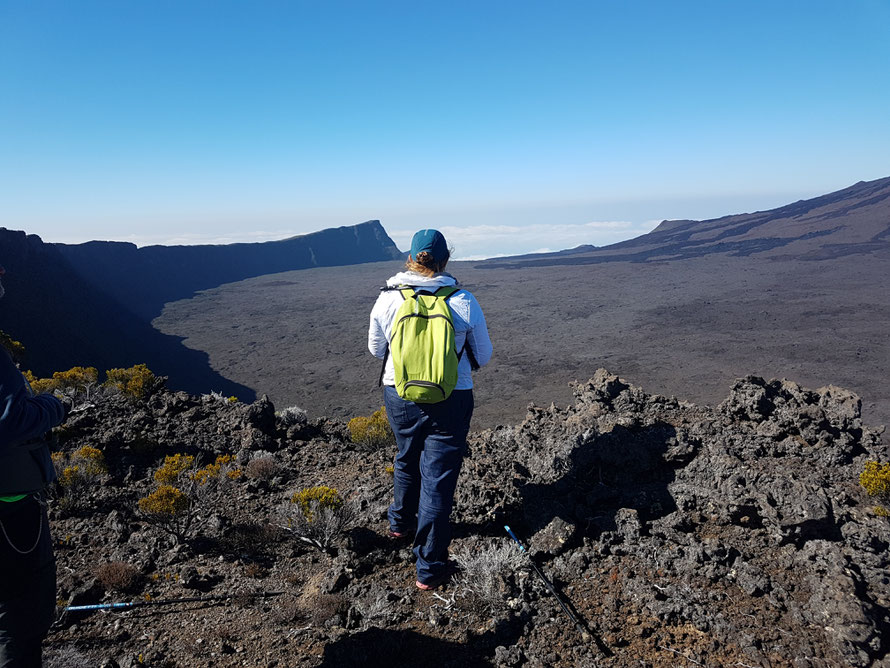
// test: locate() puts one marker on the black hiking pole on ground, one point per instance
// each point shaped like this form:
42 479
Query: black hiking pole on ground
578 625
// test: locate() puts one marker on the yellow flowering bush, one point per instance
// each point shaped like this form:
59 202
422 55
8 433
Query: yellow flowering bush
137 382
15 348
212 472
77 474
318 516
39 385
371 431
76 379
173 467
186 493
165 501
875 479
169 508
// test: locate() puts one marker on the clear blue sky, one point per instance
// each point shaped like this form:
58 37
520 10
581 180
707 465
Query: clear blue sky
513 126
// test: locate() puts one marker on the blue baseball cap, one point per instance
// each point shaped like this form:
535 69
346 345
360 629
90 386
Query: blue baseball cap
429 241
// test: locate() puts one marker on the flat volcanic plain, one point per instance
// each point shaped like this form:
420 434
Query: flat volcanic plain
686 328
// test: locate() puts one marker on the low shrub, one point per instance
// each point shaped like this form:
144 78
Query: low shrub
169 508
15 348
875 479
76 380
137 382
78 473
213 473
373 431
291 416
187 493
118 576
313 498
39 385
484 571
173 467
318 516
264 467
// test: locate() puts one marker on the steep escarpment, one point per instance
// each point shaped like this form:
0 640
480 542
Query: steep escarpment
735 535
92 304
63 321
144 279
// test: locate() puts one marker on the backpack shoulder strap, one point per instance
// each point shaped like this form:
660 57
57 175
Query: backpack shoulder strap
406 292
447 291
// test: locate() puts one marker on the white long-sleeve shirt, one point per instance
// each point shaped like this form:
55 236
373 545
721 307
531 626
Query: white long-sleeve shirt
469 323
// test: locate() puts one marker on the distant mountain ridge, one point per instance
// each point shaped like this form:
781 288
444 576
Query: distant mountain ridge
855 220
144 279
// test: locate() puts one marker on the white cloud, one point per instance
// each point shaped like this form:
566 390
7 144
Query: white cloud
473 242
188 239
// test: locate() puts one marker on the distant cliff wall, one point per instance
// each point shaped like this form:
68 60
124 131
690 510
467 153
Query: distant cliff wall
64 321
144 279
92 304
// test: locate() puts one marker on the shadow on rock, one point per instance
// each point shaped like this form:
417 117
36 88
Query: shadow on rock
379 647
614 481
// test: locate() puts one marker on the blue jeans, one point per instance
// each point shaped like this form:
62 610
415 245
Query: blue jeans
432 440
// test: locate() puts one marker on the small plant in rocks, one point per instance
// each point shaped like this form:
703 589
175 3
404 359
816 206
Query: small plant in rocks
118 576
78 473
262 467
169 508
137 382
482 581
373 431
875 479
186 493
318 516
291 416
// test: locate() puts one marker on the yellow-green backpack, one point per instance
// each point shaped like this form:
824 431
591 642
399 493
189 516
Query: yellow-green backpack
422 346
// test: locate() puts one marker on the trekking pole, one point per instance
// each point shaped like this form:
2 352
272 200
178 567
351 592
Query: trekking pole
585 636
169 601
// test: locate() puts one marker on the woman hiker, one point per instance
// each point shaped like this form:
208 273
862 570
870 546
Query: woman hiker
431 437
27 565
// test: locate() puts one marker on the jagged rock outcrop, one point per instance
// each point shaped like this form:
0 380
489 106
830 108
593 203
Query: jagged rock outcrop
745 521
733 535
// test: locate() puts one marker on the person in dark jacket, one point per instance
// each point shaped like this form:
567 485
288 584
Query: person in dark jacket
27 564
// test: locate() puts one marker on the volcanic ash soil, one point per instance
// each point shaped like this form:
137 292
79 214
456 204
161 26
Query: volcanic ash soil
677 534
